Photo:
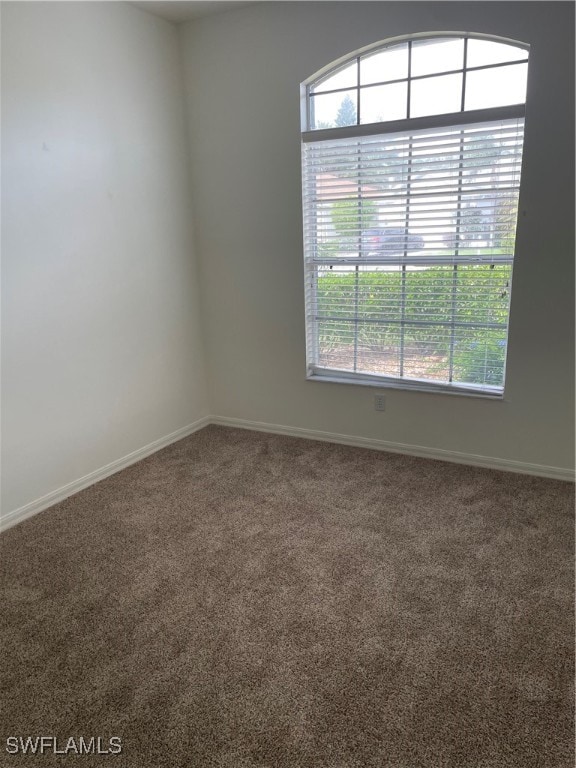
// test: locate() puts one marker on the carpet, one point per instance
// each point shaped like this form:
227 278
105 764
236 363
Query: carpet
243 600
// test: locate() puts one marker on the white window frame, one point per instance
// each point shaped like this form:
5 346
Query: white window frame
408 125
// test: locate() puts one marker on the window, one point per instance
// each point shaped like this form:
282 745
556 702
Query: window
411 156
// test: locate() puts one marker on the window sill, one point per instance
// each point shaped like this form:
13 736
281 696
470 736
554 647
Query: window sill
412 386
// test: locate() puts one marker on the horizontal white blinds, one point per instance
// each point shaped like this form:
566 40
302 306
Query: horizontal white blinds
409 243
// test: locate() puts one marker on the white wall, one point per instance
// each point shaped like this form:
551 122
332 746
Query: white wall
101 346
243 74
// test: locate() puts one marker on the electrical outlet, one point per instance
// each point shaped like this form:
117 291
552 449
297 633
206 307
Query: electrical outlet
379 403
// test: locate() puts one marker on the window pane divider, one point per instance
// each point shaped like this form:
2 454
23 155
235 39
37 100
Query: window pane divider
425 194
418 323
429 261
457 248
447 120
357 270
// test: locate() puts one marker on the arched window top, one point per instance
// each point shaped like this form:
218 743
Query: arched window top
420 76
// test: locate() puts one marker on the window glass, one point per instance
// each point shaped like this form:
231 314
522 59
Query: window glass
496 87
485 52
389 64
347 77
333 110
437 55
436 95
378 351
383 102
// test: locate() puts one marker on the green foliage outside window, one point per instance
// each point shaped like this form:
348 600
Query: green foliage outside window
350 216
428 296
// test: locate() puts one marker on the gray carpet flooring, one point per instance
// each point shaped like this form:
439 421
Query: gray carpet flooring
243 600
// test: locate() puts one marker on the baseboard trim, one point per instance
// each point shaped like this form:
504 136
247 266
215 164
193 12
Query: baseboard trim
506 465
39 505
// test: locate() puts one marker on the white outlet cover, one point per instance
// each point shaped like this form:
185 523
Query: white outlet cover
380 402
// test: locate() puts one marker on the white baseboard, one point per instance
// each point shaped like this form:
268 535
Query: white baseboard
38 505
507 465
